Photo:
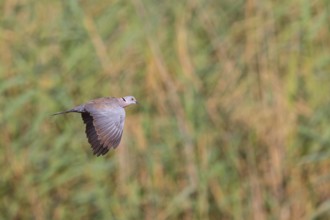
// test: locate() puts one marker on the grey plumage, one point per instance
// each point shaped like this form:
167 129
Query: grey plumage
104 119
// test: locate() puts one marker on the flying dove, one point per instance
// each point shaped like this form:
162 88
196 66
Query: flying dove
104 119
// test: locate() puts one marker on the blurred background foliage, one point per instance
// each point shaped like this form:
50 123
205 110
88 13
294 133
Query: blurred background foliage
234 121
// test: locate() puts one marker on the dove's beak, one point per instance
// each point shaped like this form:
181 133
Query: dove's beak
136 102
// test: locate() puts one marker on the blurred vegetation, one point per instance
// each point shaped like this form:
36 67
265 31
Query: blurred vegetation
234 121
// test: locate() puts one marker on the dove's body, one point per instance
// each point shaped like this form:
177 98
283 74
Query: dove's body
104 119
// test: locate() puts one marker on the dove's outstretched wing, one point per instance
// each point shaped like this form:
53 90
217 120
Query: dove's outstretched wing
104 126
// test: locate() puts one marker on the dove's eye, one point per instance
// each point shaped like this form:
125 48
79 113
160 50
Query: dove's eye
132 99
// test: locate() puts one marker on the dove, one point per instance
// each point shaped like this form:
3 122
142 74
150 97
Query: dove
104 119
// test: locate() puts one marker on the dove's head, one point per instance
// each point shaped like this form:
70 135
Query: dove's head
127 100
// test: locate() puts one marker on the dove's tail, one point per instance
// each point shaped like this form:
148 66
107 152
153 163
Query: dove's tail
64 112
79 109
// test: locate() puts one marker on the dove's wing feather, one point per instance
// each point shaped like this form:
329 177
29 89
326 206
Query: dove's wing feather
92 136
108 121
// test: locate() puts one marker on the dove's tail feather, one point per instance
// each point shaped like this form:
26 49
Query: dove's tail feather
79 109
64 112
